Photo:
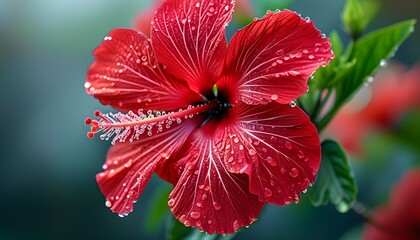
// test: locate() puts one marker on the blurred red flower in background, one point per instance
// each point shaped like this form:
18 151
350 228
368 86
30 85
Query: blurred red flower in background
394 91
400 217
211 119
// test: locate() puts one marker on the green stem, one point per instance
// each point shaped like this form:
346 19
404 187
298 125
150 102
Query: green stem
328 117
320 105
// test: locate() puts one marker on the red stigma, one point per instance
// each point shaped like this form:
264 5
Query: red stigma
88 121
90 135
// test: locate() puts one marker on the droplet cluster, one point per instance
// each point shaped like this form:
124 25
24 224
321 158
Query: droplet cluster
122 127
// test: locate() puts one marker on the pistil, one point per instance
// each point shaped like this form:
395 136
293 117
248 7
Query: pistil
121 127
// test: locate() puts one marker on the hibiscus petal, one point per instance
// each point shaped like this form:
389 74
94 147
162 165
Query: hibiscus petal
129 166
272 58
188 37
207 195
276 145
126 76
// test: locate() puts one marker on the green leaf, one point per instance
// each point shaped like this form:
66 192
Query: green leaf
158 209
372 52
335 183
357 14
176 230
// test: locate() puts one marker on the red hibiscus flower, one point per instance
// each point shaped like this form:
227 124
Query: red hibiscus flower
400 218
213 120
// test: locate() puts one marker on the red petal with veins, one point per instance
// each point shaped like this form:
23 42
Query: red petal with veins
272 58
126 76
188 37
129 166
207 195
276 145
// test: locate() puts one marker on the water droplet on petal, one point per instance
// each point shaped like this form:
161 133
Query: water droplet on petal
271 161
108 204
294 172
252 152
274 97
301 155
171 202
195 215
183 218
217 205
268 192
288 145
235 225
293 104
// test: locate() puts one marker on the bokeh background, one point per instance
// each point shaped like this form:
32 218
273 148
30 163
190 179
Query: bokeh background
48 165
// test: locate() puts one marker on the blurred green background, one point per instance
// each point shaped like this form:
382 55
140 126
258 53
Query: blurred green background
48 165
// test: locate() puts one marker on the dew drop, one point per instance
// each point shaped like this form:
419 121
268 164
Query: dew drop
342 207
301 155
271 161
217 205
171 202
288 145
204 197
235 225
87 85
183 218
383 63
268 192
108 204
129 163
293 104
236 140
294 172
274 97
252 152
195 215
